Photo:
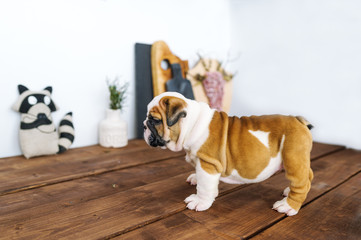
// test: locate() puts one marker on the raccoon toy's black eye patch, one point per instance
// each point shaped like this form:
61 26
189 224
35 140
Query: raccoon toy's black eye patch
34 99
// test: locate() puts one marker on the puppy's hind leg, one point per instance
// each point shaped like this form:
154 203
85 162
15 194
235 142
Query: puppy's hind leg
296 161
207 189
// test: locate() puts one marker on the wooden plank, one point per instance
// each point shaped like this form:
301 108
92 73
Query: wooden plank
87 216
338 217
245 212
80 208
178 226
18 173
58 196
99 217
322 149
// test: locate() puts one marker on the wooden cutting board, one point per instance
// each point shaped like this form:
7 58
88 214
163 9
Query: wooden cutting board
161 52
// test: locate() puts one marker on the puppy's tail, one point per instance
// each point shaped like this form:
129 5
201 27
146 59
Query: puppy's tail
304 121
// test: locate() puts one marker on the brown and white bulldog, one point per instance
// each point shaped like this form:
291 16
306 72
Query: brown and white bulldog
231 149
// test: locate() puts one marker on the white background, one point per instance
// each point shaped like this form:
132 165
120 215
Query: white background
301 57
295 57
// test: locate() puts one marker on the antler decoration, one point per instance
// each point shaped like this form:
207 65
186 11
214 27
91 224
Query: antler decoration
213 83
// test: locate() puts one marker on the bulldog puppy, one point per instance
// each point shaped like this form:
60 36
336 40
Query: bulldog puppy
231 149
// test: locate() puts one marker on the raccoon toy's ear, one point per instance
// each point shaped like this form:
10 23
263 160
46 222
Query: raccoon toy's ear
22 88
49 89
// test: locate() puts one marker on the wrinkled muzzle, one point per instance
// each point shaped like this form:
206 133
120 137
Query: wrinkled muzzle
152 137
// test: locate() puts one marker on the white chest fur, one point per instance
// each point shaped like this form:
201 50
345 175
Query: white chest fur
273 166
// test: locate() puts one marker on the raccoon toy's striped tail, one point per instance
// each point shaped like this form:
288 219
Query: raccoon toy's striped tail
66 132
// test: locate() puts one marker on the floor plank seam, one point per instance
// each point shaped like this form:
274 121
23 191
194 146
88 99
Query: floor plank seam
329 153
214 231
265 227
40 185
143 224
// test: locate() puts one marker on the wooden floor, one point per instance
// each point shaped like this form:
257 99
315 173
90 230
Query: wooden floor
137 192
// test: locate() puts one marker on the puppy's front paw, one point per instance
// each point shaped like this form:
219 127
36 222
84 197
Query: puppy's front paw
192 179
195 203
283 207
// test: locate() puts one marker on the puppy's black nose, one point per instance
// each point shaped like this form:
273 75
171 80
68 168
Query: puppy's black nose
144 127
42 116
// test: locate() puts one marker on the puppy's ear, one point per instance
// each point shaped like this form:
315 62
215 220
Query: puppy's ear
174 109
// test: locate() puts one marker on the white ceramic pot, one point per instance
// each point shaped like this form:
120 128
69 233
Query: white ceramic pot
113 130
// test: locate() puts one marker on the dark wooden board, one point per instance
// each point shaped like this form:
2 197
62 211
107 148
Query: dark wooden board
245 212
338 216
143 84
19 173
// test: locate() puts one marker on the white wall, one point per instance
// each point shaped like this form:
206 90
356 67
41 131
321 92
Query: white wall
73 45
297 57
300 57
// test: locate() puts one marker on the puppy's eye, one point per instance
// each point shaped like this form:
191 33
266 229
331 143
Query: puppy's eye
153 120
156 121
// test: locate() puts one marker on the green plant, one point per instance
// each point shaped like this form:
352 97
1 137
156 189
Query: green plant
117 94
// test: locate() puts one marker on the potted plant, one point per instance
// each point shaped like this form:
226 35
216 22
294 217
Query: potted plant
113 129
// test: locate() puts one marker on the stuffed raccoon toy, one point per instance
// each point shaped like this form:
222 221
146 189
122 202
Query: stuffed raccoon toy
38 134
